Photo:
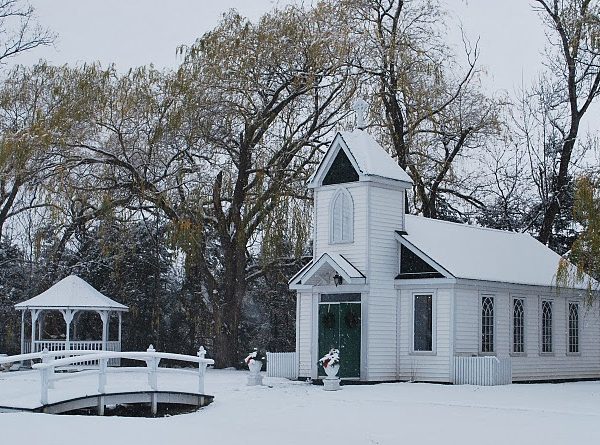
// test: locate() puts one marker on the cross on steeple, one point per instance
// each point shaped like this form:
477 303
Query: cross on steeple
360 107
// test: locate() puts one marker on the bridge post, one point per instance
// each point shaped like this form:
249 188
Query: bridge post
44 386
154 404
50 372
101 405
201 369
152 365
103 363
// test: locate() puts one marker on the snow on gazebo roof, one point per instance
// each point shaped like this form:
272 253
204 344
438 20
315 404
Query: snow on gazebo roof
71 293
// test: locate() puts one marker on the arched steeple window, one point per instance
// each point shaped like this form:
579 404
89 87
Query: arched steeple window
342 217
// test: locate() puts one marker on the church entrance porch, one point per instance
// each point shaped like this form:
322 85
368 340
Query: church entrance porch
340 328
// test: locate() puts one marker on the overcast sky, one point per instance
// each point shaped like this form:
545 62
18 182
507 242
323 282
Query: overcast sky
137 32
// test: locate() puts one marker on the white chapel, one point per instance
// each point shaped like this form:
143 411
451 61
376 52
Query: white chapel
404 297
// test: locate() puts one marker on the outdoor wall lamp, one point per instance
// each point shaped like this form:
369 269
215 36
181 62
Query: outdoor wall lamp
337 279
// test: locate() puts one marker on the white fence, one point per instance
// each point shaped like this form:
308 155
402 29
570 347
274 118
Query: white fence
485 371
282 364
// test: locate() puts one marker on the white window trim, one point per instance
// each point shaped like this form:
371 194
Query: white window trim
540 325
495 326
512 325
340 191
567 302
433 294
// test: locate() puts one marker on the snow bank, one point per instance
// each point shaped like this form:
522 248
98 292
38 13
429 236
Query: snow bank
299 413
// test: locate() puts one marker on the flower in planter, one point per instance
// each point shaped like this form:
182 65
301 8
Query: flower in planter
330 359
256 355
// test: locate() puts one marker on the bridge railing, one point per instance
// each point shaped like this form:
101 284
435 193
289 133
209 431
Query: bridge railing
43 355
150 356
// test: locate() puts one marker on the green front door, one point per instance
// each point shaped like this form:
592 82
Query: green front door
339 328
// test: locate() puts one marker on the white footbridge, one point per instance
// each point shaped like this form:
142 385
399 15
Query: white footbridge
50 387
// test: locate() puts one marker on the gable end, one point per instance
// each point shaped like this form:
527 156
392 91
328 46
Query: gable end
414 267
341 170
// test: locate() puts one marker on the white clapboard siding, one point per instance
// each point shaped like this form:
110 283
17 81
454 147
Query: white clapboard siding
484 371
304 329
282 364
532 365
386 215
428 367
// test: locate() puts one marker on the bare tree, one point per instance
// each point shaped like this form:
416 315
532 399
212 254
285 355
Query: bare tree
19 31
432 116
566 92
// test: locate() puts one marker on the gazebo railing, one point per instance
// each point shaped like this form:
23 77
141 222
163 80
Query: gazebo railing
61 345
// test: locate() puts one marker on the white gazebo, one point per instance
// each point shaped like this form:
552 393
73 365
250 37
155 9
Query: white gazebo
69 296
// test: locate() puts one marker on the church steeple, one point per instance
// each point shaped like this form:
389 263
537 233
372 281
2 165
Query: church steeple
363 157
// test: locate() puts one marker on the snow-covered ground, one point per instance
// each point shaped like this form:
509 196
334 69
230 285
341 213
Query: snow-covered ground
284 412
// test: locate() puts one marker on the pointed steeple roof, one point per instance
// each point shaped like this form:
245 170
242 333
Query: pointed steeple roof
370 159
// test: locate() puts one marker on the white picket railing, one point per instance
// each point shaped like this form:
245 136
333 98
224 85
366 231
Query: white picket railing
484 371
85 345
282 364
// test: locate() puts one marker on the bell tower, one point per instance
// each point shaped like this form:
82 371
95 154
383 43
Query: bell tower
359 189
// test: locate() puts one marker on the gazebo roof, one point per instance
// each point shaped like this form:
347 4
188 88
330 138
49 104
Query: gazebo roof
71 293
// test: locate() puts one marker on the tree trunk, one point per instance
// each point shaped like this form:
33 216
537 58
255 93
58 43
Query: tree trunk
559 184
227 320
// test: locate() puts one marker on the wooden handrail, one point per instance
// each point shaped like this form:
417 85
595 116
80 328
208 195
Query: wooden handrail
40 355
140 356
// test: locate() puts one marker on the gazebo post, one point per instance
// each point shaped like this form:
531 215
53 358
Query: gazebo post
120 325
104 316
41 325
68 317
75 321
23 332
34 317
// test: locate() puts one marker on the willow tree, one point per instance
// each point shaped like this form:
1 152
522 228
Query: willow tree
19 107
221 146
270 93
585 252
430 108
28 107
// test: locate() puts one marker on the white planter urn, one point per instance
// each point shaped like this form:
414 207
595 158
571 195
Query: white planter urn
332 371
254 378
332 381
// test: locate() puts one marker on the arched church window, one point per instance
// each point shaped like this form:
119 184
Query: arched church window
342 217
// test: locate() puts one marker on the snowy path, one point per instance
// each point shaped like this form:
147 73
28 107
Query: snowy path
298 413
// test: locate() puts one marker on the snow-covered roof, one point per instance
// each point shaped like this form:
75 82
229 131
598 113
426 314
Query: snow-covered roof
365 153
326 264
71 293
477 253
372 159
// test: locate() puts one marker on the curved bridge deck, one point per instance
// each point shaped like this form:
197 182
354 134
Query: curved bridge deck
19 391
100 401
